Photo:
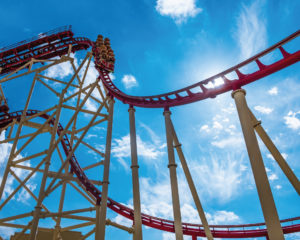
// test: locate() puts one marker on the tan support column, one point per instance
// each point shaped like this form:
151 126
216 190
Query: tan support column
37 211
275 153
101 220
14 146
60 208
97 220
137 235
258 168
191 184
173 177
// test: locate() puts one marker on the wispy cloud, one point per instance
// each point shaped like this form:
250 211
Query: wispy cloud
179 10
129 81
224 176
251 31
146 150
264 110
222 131
229 142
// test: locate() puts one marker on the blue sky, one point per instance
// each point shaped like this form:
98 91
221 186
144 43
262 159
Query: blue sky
163 45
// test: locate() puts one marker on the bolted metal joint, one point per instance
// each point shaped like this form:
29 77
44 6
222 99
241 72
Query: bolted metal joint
172 165
238 90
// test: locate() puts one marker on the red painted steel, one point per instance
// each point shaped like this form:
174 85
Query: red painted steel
200 91
48 45
57 43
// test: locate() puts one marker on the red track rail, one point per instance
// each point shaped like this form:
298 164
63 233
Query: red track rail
224 231
57 44
48 45
200 91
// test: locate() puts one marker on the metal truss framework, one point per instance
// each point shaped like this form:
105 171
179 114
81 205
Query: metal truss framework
25 128
71 137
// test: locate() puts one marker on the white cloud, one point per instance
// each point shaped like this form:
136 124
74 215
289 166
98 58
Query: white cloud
5 149
223 217
129 81
273 91
204 128
24 195
157 201
217 125
6 232
179 10
251 29
168 236
264 110
122 220
272 177
234 141
61 70
146 150
292 121
278 187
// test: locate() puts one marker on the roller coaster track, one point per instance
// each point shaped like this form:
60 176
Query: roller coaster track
227 231
57 43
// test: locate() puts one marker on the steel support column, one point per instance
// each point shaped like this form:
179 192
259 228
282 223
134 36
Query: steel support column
12 154
101 220
37 211
191 184
258 168
173 177
275 153
137 235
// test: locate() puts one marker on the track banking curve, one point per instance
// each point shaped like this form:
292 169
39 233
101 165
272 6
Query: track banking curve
57 43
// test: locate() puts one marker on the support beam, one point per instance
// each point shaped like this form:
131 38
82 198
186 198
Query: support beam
173 177
137 235
191 184
275 153
101 218
260 176
37 210
12 154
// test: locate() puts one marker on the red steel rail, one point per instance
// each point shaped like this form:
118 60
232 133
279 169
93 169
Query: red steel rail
48 45
200 91
57 44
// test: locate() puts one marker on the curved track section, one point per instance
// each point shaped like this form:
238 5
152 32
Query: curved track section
58 42
224 231
200 91
48 45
